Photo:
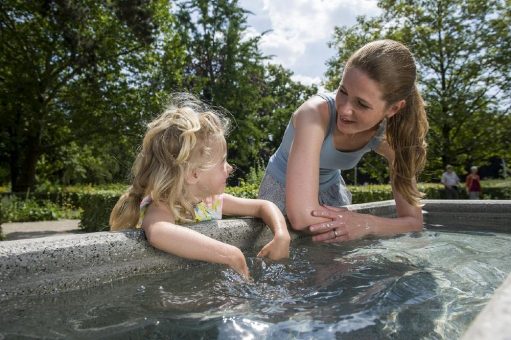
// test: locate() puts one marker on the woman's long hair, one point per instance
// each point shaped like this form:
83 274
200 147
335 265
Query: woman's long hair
392 66
184 137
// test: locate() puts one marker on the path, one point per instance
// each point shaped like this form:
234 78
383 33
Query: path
22 230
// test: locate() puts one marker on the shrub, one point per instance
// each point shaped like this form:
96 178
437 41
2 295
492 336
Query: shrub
96 209
15 209
96 202
244 190
497 193
370 193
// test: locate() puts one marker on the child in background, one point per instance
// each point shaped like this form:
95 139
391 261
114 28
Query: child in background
179 176
473 184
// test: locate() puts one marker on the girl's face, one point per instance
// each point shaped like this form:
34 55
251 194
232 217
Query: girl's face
212 181
359 103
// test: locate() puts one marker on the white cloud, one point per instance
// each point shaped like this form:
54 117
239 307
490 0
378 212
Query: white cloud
306 79
301 30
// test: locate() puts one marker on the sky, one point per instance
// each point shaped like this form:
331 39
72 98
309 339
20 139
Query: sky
301 29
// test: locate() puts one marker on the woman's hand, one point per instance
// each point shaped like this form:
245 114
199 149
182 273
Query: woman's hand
276 249
344 225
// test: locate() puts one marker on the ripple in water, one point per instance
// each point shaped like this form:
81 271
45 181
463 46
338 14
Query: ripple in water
426 285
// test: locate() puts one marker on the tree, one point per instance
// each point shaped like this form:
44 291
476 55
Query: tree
280 97
90 75
462 50
224 67
66 75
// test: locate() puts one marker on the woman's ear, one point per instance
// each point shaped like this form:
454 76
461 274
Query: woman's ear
192 177
396 107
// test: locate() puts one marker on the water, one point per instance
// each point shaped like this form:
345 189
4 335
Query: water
428 285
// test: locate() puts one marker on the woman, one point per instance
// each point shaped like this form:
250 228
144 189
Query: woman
376 107
473 184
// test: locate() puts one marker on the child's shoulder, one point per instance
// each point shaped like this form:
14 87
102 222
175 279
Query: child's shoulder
153 211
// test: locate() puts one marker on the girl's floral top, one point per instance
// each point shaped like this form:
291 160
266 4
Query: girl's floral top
209 209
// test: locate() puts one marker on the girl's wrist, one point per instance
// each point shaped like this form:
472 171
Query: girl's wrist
236 257
282 237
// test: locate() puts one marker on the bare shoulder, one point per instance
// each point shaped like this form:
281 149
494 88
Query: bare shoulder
157 213
315 109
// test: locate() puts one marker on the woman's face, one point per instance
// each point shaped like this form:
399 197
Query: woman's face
359 103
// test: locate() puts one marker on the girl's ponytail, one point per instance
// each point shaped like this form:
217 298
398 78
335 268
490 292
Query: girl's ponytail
126 212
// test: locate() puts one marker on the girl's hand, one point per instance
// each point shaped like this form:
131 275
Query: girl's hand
238 263
276 249
344 225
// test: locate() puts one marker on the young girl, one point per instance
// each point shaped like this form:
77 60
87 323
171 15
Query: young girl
179 176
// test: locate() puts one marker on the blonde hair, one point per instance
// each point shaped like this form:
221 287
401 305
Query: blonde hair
392 65
181 139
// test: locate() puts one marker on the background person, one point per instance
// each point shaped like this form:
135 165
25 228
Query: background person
473 184
450 181
377 107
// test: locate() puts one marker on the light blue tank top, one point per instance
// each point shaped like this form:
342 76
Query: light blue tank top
331 160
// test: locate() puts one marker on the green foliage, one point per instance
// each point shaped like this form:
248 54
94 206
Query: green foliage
496 189
255 175
280 97
76 102
16 209
492 189
224 68
227 69
96 202
497 193
370 193
248 190
463 73
97 207
79 81
71 75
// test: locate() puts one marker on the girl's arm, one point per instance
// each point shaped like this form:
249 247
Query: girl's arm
278 248
188 243
350 225
302 178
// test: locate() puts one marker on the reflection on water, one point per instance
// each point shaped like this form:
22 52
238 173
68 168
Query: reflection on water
426 285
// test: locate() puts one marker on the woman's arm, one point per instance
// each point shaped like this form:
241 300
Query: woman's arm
278 248
350 225
188 243
302 178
